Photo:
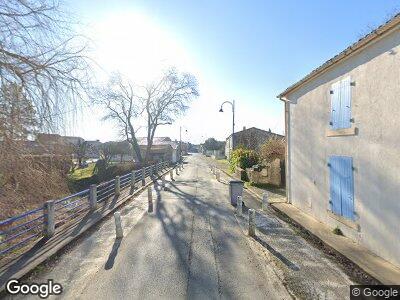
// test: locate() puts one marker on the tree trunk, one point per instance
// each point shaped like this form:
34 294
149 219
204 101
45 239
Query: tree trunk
136 150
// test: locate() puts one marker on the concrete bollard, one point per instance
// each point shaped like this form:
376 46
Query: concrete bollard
133 179
171 174
265 201
119 233
239 206
117 186
93 197
217 175
49 218
143 176
150 200
252 222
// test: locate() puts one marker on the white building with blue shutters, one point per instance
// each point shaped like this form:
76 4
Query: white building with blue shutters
343 142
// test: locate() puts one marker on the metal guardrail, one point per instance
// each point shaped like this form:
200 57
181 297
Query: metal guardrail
18 231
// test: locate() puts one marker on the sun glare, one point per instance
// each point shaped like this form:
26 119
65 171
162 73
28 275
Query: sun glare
136 46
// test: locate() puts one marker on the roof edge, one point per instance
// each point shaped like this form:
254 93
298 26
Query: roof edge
361 43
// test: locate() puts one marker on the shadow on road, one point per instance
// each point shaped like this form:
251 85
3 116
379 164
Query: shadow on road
113 254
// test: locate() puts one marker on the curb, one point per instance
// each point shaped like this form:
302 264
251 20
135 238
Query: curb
286 218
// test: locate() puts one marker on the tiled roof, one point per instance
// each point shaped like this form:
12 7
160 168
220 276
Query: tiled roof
252 128
157 141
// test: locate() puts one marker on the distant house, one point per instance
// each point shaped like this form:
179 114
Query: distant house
53 139
250 138
93 151
342 129
163 148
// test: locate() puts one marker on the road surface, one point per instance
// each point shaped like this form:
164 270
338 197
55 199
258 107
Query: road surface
190 247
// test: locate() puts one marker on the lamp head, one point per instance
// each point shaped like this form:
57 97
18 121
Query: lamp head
221 110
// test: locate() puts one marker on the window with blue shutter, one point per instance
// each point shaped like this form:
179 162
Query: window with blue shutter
341 104
341 186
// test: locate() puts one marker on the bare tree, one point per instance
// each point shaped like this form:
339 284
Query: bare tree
80 149
17 116
167 99
122 107
157 103
40 53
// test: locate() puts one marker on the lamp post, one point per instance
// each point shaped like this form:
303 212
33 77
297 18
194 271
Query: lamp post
233 120
180 140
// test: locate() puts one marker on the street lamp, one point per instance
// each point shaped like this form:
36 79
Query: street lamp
233 119
180 139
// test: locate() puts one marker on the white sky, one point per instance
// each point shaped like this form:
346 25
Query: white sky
136 46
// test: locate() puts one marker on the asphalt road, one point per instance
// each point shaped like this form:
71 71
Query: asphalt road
190 247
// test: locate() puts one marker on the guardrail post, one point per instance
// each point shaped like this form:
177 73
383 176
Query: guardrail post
143 176
93 197
119 233
217 175
150 199
133 179
239 205
49 218
265 201
117 185
176 171
171 174
252 225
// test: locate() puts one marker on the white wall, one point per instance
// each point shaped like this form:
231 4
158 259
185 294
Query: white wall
375 148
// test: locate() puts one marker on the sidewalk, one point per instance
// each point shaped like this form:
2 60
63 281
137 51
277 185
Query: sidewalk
43 249
306 271
190 247
375 266
372 264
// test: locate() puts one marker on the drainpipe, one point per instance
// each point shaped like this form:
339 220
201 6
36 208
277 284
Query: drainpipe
288 147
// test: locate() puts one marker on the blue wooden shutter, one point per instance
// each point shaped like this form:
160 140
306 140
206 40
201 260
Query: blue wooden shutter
334 176
335 105
347 187
345 103
342 186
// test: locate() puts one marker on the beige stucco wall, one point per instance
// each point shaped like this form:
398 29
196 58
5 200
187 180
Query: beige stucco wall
375 148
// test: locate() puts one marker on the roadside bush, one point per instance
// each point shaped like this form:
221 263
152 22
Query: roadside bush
272 149
243 158
101 172
26 180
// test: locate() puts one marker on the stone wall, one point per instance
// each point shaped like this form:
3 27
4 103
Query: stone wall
269 174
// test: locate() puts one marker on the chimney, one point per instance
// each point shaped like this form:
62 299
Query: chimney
244 128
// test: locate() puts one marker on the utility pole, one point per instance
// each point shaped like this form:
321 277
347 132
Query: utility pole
180 139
